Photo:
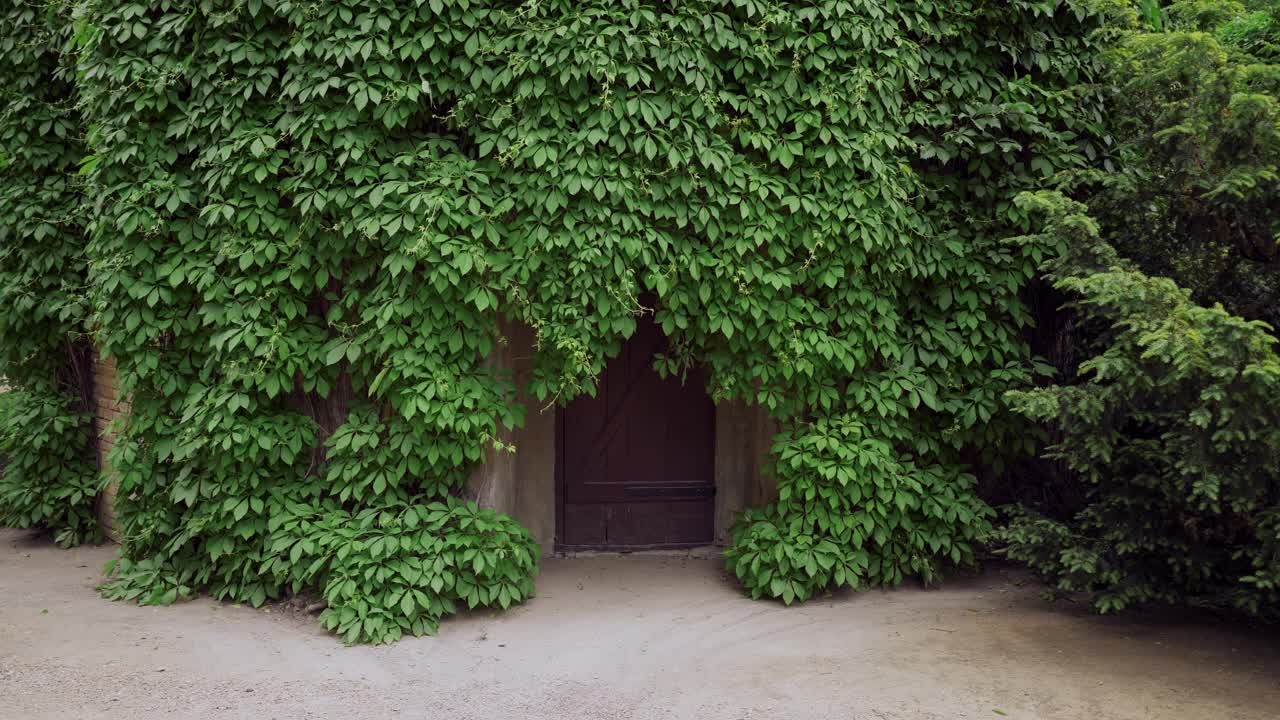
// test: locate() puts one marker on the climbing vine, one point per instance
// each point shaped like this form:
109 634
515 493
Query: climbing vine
49 478
306 220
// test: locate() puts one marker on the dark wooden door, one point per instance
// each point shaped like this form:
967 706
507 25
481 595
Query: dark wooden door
637 460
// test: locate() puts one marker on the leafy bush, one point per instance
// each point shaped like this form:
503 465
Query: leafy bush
45 481
1175 427
1195 114
853 512
393 571
384 572
50 480
1171 422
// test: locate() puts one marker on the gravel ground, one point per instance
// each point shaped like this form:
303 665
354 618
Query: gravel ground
634 637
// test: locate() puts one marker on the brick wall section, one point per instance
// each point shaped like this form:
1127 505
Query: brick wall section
108 408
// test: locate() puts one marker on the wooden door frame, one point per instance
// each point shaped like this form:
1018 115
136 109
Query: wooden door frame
559 545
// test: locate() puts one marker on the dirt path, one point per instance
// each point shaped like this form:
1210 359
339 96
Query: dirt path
620 637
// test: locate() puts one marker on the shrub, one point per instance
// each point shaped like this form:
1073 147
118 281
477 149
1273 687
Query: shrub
1194 110
45 481
383 572
1173 424
853 512
393 571
1170 420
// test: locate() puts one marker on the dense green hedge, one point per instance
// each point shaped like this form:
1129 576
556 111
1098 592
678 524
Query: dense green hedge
1193 109
1171 422
307 219
50 478
1176 430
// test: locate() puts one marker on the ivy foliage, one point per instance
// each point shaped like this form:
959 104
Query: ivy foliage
50 477
874 516
308 218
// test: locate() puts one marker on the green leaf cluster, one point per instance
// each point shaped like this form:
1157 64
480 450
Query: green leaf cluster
1189 192
306 221
1174 426
1170 421
45 426
854 512
45 481
383 572
397 570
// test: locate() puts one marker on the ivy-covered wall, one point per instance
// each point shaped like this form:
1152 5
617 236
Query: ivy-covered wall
307 220
49 476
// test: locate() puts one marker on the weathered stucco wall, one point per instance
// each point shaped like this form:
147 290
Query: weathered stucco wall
522 482
743 436
535 468
109 408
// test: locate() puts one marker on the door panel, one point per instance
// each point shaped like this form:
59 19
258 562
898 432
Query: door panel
636 460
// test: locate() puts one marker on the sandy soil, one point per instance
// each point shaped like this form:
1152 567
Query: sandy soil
622 637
